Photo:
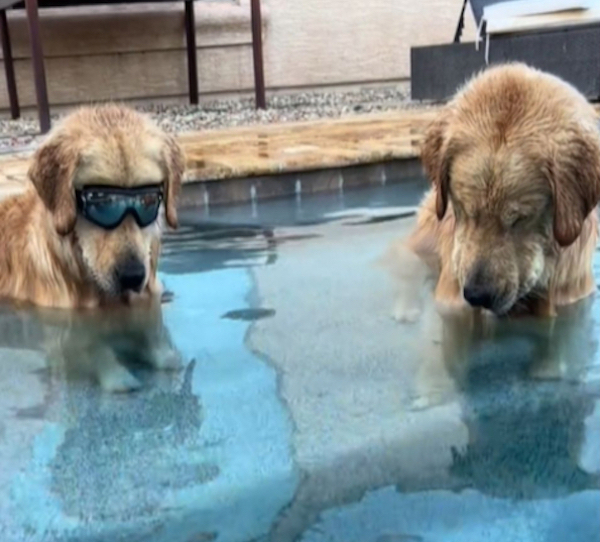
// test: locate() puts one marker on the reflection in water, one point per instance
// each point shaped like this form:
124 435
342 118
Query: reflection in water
118 456
525 394
139 450
249 314
221 245
112 346
527 389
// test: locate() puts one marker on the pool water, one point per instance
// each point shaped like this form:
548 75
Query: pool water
306 409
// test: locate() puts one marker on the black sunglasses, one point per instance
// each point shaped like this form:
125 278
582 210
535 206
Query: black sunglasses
107 206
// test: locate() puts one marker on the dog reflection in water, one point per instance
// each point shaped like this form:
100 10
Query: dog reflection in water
562 349
527 396
108 346
453 340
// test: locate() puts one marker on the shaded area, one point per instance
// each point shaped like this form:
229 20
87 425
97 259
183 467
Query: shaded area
249 314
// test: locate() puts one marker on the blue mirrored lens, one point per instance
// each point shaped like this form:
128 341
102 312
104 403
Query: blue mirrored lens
146 208
108 209
107 214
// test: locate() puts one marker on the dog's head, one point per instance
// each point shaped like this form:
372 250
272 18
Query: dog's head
519 193
114 147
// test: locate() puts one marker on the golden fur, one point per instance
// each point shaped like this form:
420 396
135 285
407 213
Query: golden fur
510 222
50 256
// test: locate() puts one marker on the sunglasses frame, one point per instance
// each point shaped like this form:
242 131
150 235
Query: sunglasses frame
81 198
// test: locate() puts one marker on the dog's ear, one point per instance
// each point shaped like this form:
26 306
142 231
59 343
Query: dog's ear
51 171
435 157
574 176
175 168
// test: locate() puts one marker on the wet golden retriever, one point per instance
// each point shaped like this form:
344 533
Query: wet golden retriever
52 255
510 222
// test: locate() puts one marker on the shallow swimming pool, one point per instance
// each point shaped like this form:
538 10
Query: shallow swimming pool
305 410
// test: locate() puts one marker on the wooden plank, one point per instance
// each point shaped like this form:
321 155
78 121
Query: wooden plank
287 147
543 22
293 147
250 151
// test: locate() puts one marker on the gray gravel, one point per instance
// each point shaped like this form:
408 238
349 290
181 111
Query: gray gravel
23 134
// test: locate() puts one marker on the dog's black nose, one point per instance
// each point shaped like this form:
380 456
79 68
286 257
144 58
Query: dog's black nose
479 296
131 275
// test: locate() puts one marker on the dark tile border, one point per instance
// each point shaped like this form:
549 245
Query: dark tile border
241 190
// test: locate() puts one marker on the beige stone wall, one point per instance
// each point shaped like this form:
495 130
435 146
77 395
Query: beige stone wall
316 42
138 52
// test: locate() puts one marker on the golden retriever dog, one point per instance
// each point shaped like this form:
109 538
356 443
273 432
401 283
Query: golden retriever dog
86 232
510 223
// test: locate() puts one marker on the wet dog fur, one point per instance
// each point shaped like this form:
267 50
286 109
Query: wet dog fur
510 223
52 257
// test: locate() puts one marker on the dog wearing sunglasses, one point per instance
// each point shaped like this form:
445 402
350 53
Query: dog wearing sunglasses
86 231
85 234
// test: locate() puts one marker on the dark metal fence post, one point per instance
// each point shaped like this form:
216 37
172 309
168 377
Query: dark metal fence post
190 37
37 59
257 52
9 67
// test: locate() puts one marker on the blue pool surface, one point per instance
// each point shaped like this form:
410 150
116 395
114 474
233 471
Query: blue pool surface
306 411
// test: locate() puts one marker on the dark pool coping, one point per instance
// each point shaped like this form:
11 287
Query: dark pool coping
289 184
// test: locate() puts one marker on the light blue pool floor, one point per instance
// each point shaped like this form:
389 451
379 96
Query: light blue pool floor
305 410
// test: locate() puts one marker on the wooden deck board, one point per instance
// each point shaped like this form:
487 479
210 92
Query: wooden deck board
262 150
288 147
277 148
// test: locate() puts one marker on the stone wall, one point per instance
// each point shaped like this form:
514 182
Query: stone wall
137 52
